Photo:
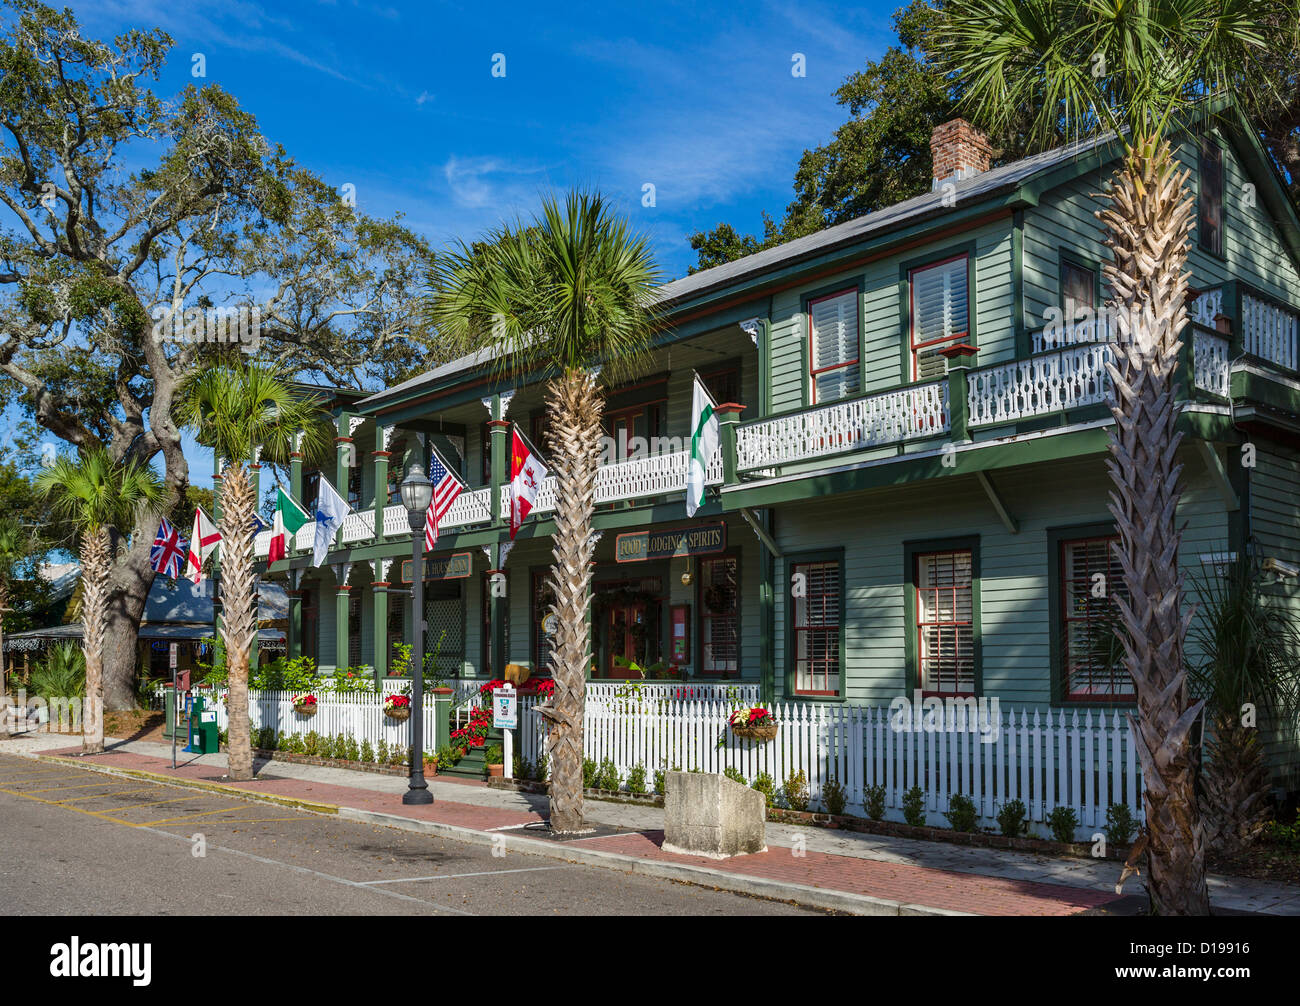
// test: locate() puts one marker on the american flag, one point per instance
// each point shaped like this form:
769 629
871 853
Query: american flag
168 552
446 487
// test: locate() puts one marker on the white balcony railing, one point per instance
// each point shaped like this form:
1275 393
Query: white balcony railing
1050 382
1211 367
858 424
635 478
1269 331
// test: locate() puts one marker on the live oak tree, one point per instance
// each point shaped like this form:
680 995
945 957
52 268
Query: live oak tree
569 294
115 279
1140 73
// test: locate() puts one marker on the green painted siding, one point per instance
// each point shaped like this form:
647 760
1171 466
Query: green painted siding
1016 623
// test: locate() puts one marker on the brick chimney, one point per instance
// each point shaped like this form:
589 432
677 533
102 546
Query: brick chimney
958 150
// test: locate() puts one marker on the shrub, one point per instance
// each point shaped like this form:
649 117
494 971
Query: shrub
659 780
735 775
446 757
542 767
874 801
833 797
293 744
522 768
589 769
353 750
914 807
399 756
1063 821
608 776
1011 818
961 813
341 746
494 754
1120 825
311 744
62 674
382 756
795 791
766 785
367 751
636 779
1285 835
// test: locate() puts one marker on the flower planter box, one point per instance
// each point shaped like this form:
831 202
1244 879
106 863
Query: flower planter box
306 709
398 712
756 731
496 771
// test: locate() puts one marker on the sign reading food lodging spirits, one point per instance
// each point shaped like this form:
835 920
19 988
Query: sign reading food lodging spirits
669 543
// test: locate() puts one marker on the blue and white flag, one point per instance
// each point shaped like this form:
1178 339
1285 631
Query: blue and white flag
331 508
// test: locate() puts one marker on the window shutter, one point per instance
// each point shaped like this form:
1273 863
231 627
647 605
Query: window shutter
835 345
939 314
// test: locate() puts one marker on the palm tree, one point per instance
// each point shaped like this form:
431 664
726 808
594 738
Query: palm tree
97 497
234 409
1139 72
13 549
1249 646
571 291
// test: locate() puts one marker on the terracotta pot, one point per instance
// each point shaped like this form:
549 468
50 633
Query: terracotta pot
497 771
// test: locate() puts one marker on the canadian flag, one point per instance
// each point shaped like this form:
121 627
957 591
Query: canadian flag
526 475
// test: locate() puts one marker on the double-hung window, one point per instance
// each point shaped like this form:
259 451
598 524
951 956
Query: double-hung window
720 615
1209 209
945 622
940 315
833 346
1091 578
816 611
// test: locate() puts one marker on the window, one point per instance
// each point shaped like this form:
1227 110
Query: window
1209 215
833 346
1093 659
354 628
396 625
940 315
396 471
723 385
816 627
354 485
311 492
720 615
542 598
485 452
1078 290
307 642
945 622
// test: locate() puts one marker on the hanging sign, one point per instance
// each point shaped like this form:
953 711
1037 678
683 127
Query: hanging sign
447 567
699 539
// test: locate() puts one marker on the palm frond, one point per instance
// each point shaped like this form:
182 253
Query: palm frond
92 491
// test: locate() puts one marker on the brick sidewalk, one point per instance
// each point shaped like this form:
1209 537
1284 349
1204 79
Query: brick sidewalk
907 884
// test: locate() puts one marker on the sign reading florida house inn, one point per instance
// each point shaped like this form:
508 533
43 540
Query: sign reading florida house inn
669 543
451 567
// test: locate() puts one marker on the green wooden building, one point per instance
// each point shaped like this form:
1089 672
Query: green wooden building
911 491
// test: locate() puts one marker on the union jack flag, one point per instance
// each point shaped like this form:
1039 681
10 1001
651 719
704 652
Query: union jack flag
446 487
168 553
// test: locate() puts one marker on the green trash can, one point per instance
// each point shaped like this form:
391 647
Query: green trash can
203 728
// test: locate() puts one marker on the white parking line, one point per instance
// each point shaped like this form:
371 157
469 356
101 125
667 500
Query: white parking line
454 876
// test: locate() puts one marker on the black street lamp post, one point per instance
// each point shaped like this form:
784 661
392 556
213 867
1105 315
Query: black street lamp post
417 492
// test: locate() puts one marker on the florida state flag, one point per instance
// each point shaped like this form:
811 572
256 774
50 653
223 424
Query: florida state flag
526 475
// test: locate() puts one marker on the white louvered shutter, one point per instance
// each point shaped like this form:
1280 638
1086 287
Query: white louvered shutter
940 315
835 345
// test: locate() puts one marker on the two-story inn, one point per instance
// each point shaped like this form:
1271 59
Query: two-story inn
911 489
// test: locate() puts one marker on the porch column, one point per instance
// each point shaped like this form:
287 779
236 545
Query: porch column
499 431
380 456
293 632
728 416
961 358
380 595
255 480
344 459
341 618
498 612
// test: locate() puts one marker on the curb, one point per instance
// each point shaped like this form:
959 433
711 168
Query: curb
703 876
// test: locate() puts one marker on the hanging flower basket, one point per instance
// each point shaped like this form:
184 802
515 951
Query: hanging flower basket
304 705
755 724
397 707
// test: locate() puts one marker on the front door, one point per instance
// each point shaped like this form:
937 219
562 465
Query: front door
625 637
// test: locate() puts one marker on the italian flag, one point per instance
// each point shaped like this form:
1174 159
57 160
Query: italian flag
704 442
289 517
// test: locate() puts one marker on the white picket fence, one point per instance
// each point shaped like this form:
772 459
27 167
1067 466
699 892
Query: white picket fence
1083 760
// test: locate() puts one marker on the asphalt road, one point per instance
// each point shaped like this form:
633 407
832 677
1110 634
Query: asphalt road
75 842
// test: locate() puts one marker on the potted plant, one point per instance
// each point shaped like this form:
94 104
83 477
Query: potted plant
304 705
496 763
754 723
397 707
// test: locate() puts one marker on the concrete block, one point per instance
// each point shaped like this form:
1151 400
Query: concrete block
710 815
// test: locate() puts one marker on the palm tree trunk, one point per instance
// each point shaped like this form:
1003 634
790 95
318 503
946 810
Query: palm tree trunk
96 568
4 677
238 614
1149 220
1234 787
575 406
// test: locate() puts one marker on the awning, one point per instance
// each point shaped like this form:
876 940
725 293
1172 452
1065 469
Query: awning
39 639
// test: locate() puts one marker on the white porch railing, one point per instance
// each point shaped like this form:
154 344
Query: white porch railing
858 424
1051 382
635 478
1269 331
1211 367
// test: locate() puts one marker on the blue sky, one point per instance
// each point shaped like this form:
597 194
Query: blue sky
398 99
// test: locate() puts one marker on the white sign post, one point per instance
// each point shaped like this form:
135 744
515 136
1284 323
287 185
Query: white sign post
505 716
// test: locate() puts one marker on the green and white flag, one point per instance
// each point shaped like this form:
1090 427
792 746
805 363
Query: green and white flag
704 442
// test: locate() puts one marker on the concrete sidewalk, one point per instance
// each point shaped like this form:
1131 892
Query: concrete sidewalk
845 871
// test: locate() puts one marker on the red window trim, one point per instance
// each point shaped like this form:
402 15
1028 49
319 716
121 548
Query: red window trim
1069 696
916 586
839 624
911 309
814 372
